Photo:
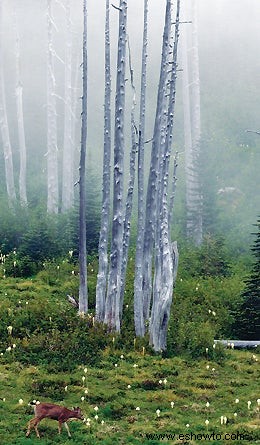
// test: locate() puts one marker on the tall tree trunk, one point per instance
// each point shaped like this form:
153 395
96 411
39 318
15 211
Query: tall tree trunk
187 132
104 229
67 169
166 254
191 109
151 203
83 292
20 121
52 149
130 190
8 157
112 311
196 123
138 283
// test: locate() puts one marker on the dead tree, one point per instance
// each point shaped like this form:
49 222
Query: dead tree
20 120
52 149
104 225
166 252
67 167
112 309
8 156
83 291
192 126
138 283
151 198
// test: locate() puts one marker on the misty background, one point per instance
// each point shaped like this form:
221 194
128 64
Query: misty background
229 41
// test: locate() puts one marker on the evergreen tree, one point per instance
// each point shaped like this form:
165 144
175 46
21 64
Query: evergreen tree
248 319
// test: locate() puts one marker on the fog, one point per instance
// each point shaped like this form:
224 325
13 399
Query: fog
229 42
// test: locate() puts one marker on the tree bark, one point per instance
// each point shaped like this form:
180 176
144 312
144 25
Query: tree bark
52 149
166 254
20 120
151 203
112 311
67 168
8 157
104 226
130 190
138 282
83 291
191 109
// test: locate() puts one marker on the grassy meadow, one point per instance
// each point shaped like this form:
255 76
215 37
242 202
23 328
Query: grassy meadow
187 393
48 353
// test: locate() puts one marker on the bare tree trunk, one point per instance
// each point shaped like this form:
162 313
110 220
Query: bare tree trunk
83 292
166 254
104 229
138 283
19 107
112 311
67 169
8 157
151 203
52 149
187 132
196 124
191 108
130 190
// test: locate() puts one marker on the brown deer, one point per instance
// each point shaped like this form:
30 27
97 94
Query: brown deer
55 412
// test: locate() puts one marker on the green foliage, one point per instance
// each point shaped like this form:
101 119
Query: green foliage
48 332
209 260
247 322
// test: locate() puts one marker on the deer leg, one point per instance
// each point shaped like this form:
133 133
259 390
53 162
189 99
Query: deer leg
33 423
67 428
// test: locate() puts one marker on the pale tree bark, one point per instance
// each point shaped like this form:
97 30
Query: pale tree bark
20 120
52 149
191 99
151 213
187 132
104 226
68 158
8 157
83 291
166 253
112 310
138 282
130 189
196 124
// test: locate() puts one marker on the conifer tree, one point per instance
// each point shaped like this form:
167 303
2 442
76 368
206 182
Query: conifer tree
247 325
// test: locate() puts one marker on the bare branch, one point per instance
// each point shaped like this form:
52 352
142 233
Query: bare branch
253 131
116 7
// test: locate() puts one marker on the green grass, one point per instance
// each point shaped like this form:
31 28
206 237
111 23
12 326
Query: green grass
190 385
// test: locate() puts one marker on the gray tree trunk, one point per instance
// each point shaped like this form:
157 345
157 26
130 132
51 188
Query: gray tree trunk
52 149
196 123
20 121
104 229
187 132
191 109
8 157
83 292
151 201
138 282
112 310
166 254
130 190
67 168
